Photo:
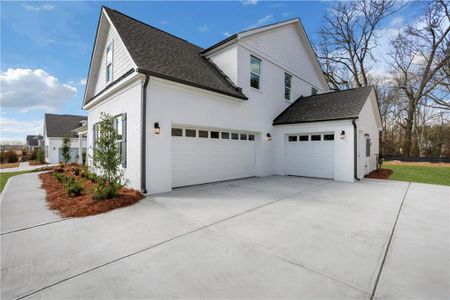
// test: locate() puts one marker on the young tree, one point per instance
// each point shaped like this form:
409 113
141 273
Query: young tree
65 149
106 159
419 58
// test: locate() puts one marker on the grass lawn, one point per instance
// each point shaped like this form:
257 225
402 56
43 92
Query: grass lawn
423 174
4 176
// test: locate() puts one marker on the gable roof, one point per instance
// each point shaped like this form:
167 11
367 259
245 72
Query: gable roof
163 55
325 107
33 140
62 125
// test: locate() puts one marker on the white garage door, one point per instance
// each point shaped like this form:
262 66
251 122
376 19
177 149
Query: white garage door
202 156
310 155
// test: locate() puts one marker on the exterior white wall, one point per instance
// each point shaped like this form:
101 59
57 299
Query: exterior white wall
343 154
126 100
368 123
226 60
55 143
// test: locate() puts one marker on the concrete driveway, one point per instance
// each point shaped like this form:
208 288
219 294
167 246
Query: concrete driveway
272 237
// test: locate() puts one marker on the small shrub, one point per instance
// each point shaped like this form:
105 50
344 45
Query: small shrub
60 176
73 187
76 171
9 157
65 149
40 156
104 191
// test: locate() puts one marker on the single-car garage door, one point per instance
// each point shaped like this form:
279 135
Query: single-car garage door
310 155
202 155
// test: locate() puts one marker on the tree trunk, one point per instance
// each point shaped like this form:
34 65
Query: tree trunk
407 144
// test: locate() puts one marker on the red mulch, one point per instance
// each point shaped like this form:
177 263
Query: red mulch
36 163
83 205
380 174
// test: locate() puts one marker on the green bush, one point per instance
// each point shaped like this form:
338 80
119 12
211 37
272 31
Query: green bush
40 156
33 155
73 187
9 157
60 177
104 191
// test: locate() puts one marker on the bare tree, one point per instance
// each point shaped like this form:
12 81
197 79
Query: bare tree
420 56
347 40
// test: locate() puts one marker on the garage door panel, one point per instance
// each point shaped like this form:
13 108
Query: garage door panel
202 160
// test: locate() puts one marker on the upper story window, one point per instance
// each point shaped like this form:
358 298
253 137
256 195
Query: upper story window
109 63
313 91
255 72
287 86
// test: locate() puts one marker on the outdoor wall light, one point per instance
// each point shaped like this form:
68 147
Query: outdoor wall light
366 135
342 134
268 137
156 128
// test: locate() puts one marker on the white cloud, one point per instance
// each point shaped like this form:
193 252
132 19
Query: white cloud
203 28
227 34
38 8
163 22
261 21
249 2
33 89
83 81
13 126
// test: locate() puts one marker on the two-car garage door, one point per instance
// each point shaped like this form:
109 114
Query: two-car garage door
205 155
310 155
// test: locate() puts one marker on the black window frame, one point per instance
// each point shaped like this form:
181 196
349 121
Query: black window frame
234 136
176 130
214 134
188 132
326 137
200 132
225 135
254 74
251 137
292 138
313 136
302 137
287 88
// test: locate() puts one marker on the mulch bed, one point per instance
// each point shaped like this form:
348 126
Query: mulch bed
380 174
83 205
37 163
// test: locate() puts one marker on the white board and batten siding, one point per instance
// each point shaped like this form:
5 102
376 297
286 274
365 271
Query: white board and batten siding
197 160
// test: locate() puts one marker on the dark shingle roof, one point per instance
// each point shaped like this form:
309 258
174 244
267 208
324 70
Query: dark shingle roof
62 125
324 107
33 140
161 54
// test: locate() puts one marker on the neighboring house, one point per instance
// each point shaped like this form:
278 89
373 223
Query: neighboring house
56 127
34 142
254 104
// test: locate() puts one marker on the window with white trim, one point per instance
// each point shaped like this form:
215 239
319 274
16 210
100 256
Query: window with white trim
109 63
255 72
120 124
287 86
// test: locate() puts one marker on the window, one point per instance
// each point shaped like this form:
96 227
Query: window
214 134
315 137
251 137
234 136
177 132
328 137
191 133
225 135
313 91
292 138
203 133
367 147
243 136
109 63
120 124
303 138
287 86
255 72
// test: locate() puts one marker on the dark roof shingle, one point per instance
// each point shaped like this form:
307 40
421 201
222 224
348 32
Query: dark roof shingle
324 107
161 54
62 125
33 140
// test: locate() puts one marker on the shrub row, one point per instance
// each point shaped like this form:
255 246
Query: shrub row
9 157
72 186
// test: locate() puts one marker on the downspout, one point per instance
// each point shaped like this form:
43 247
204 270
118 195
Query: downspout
355 150
143 133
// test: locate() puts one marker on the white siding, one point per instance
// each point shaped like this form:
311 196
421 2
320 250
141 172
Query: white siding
54 144
226 60
284 48
127 100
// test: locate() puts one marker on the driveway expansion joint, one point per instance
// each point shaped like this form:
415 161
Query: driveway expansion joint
34 226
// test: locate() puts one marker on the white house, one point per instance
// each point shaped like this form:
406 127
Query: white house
254 104
57 127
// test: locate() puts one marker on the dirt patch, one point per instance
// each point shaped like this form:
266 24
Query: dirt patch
380 174
416 163
83 205
9 165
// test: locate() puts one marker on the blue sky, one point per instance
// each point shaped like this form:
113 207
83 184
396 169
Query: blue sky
46 46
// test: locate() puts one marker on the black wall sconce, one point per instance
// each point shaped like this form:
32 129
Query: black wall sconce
342 134
156 128
268 137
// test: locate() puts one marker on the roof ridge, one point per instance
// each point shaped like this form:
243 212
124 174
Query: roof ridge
336 92
151 26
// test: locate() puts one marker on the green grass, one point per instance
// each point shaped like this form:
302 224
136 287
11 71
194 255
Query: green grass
423 174
4 176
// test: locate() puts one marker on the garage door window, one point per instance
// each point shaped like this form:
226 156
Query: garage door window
315 137
177 132
191 132
328 137
243 136
203 133
234 136
225 135
292 138
303 138
251 137
214 134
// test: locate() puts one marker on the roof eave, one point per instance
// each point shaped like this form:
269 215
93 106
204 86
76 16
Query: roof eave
313 121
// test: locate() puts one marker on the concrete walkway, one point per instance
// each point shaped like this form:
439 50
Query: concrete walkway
273 237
